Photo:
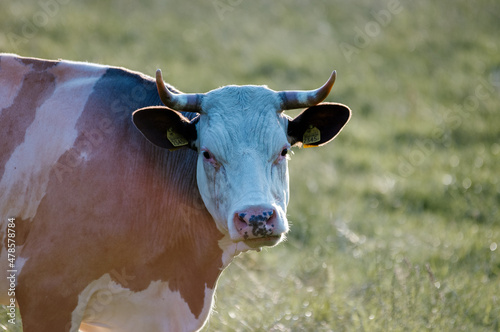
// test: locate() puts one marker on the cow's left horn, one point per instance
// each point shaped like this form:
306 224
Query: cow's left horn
300 99
188 102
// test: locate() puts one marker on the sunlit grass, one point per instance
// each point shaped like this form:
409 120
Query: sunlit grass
395 225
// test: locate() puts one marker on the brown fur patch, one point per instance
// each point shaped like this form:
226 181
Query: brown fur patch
129 207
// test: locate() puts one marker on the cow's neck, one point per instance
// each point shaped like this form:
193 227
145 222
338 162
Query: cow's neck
183 246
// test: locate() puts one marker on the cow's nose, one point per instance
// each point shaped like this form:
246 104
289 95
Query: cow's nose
255 222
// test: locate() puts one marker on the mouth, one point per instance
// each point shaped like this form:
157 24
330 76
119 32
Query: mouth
269 241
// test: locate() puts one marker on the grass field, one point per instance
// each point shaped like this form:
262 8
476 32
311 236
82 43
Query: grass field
396 224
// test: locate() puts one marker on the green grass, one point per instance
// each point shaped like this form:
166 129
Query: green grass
395 224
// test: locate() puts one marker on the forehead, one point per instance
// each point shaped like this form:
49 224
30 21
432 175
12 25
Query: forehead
230 100
246 114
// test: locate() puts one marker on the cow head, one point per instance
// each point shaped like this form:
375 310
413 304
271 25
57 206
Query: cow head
243 140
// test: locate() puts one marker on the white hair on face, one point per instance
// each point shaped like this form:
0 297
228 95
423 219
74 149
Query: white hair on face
244 115
245 130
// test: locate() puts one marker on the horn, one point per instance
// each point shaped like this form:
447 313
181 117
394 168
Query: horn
300 99
188 102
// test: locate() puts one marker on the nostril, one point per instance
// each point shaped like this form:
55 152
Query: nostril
239 222
268 214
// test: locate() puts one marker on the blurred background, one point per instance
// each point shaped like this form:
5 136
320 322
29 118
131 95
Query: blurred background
395 224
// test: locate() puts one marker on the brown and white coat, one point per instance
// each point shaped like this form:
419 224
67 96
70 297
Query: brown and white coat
114 233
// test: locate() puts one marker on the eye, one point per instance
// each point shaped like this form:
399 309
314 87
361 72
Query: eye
284 154
209 157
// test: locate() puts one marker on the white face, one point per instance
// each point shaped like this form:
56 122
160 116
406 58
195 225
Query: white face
242 169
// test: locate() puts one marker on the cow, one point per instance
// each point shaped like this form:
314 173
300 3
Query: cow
122 199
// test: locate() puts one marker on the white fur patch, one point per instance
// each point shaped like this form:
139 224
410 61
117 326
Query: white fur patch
107 306
231 249
245 133
12 75
26 176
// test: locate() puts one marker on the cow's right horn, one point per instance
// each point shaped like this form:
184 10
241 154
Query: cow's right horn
188 102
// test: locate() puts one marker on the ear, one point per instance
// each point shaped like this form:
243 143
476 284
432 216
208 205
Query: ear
165 127
318 124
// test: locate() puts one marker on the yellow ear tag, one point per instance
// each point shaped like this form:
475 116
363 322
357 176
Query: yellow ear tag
176 139
312 135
